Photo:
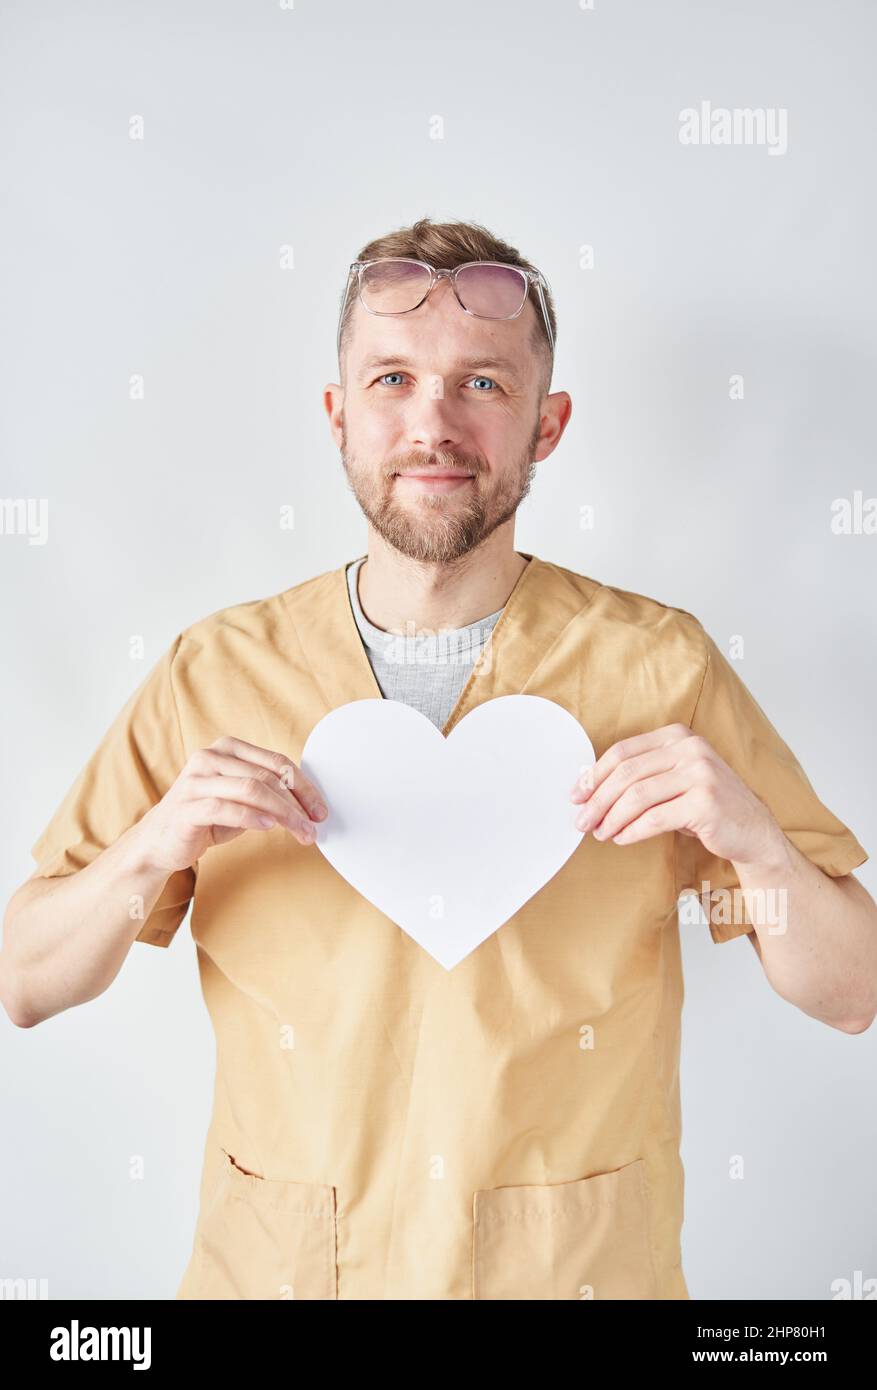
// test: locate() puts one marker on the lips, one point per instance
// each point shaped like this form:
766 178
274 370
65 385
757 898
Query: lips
432 484
429 477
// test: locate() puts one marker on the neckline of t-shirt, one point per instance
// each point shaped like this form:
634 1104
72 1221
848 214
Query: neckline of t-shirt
376 636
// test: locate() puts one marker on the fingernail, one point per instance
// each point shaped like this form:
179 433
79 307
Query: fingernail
320 811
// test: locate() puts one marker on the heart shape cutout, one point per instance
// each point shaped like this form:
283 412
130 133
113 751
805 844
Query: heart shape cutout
448 837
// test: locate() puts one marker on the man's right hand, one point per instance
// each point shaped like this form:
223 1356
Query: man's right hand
223 790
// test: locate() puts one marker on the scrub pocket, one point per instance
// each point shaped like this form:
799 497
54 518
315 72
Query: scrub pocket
266 1239
583 1239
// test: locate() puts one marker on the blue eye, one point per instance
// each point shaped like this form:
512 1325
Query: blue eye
400 376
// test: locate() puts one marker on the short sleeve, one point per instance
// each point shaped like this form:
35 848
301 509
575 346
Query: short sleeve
731 719
136 762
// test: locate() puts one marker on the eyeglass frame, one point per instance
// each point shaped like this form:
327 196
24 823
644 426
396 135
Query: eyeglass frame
533 277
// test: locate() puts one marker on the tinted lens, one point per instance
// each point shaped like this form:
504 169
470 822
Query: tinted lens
493 291
391 287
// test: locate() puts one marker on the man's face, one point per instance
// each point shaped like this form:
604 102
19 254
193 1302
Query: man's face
440 423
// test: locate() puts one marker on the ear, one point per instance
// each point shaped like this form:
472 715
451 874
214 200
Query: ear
554 417
333 404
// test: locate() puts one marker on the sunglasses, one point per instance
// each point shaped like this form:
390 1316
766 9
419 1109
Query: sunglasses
486 289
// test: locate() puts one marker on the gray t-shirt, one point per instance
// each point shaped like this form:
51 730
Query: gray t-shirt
427 671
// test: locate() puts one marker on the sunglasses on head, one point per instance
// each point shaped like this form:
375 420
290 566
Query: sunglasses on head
486 289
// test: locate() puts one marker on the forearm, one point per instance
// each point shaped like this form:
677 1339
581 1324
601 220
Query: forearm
817 935
64 939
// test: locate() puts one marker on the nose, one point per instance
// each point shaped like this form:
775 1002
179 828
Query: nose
430 423
434 435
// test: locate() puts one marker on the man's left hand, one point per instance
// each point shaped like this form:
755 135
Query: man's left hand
672 779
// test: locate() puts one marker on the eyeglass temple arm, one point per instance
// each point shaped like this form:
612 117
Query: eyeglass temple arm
350 275
545 312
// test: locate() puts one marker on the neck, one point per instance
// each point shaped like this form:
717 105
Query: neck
395 591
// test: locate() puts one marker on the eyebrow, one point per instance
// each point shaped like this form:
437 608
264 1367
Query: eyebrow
468 364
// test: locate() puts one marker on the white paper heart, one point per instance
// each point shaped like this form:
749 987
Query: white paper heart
448 837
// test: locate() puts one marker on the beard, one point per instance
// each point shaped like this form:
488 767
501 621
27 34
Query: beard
439 528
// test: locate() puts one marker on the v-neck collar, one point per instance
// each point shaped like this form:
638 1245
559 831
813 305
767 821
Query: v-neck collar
538 608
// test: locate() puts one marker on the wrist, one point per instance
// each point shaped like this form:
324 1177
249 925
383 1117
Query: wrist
136 855
775 854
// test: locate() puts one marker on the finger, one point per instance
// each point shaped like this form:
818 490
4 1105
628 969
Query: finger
251 791
305 790
279 764
626 774
627 748
584 783
635 801
207 761
657 820
218 813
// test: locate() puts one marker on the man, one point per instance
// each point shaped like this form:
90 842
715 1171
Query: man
384 1128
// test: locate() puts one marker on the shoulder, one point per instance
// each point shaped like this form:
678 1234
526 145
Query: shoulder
262 622
637 619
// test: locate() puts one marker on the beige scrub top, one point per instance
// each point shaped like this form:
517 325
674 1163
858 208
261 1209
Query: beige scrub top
383 1128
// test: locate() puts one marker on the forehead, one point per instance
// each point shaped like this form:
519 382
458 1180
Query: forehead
386 361
440 336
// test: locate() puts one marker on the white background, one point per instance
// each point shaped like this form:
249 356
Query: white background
310 128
